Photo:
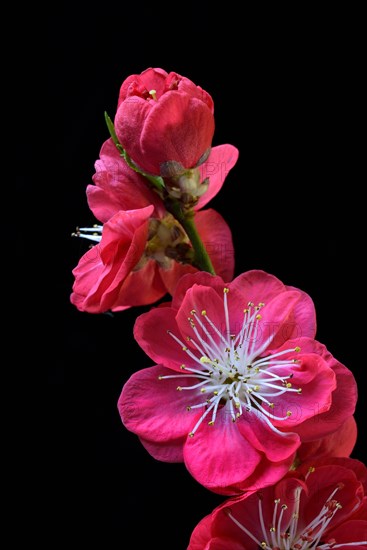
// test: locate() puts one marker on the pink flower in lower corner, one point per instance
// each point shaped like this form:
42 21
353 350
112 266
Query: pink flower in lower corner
322 505
239 383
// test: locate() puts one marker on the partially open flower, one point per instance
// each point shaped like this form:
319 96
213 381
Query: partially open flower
139 258
164 117
320 506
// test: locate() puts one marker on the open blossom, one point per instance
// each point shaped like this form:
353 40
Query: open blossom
323 505
239 383
164 117
154 240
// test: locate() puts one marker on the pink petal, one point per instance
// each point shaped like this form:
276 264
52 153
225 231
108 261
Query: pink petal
317 381
86 273
201 534
221 160
129 122
151 79
350 531
276 447
257 286
224 544
339 443
173 452
304 316
154 409
217 238
275 318
266 474
202 299
343 405
172 276
141 287
117 186
178 128
200 278
150 331
219 457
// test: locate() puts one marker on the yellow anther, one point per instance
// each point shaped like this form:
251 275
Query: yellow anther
191 434
160 377
258 317
179 388
311 469
225 290
183 367
271 405
276 501
297 348
261 304
211 423
263 545
203 312
288 385
245 311
204 359
284 507
215 392
188 408
203 390
193 311
289 413
299 390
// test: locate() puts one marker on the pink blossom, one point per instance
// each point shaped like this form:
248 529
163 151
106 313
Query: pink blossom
322 505
239 383
120 193
164 117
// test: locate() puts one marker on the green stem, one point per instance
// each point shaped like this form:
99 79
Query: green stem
202 260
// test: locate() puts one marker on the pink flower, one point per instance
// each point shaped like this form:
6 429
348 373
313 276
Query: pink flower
164 117
323 505
119 194
239 381
104 277
118 187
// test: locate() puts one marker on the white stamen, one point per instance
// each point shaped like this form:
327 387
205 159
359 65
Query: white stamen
230 369
91 233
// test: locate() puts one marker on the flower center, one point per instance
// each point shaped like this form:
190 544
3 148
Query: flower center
278 536
232 371
167 241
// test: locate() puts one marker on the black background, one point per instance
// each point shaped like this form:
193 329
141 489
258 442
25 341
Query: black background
287 94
